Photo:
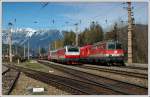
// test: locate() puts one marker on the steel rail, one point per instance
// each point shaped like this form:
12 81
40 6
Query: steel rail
4 72
84 87
90 77
12 82
144 76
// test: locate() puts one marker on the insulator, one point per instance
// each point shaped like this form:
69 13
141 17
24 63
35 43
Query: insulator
132 15
125 7
132 7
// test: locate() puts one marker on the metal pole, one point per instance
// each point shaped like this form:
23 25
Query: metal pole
76 34
39 51
16 50
10 42
129 34
7 53
115 31
24 52
28 50
49 47
55 44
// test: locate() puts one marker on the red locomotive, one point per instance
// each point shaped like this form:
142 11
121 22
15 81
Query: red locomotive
106 52
69 55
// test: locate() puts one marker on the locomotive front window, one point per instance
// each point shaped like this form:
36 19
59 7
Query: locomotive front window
111 46
118 46
73 50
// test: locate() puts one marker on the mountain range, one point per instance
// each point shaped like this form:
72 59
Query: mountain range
36 38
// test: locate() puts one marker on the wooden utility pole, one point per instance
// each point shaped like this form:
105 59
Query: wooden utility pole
10 41
129 33
24 51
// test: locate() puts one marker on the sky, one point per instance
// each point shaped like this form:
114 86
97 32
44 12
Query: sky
63 15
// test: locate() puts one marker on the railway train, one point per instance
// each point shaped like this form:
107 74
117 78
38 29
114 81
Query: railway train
104 53
68 54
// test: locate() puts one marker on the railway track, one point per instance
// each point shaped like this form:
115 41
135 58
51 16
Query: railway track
79 85
9 79
84 87
131 67
115 71
118 86
5 70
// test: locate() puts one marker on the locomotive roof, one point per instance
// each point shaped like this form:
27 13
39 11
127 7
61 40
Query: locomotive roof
61 48
86 46
102 42
98 43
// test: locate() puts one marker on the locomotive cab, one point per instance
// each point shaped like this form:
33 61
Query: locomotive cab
114 45
72 52
114 52
114 49
67 55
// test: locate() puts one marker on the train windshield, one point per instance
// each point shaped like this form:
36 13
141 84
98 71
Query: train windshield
113 46
118 46
73 49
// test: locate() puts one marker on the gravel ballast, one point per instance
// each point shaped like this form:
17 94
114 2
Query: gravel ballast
123 78
25 85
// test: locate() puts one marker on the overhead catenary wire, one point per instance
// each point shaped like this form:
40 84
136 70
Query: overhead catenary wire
91 18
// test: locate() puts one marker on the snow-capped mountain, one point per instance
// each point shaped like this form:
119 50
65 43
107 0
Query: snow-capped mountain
36 37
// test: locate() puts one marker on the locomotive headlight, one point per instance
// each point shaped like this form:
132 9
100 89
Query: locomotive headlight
118 54
107 55
110 55
115 52
121 54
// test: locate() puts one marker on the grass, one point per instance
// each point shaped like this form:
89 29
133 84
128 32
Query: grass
34 66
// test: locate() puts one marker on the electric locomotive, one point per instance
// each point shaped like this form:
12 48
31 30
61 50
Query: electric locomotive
105 53
67 55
